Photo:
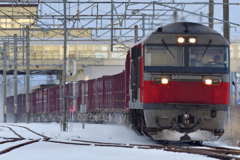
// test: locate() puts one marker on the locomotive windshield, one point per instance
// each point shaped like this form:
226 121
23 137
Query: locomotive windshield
211 59
164 56
208 57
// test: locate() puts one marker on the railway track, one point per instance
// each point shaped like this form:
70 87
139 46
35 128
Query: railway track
14 142
211 151
206 150
44 137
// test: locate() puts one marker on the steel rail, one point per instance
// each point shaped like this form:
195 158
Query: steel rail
45 137
17 146
13 131
219 154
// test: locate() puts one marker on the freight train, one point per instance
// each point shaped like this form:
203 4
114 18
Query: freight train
175 87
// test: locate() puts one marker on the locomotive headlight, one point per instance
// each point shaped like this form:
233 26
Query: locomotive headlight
181 40
192 40
164 81
208 81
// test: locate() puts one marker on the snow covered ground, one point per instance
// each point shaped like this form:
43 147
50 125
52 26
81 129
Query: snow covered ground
93 132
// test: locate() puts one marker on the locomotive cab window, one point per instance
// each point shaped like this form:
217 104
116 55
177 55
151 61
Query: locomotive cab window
202 57
162 56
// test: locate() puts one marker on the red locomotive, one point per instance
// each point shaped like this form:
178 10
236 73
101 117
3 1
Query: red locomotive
180 83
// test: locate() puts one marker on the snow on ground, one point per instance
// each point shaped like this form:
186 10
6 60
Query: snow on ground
93 132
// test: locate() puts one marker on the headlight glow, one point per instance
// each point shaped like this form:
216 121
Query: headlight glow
164 81
192 40
181 40
208 81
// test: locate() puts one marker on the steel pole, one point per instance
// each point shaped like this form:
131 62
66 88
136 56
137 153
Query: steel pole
27 75
111 25
4 84
143 24
23 45
210 19
83 106
15 80
236 89
226 26
136 33
64 67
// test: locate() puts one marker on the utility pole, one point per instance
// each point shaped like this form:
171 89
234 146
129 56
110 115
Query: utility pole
23 39
83 106
226 32
143 24
210 19
175 16
15 80
136 33
226 27
64 67
4 83
27 75
111 25
236 89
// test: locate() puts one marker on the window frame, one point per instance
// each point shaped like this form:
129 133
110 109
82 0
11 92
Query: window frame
186 68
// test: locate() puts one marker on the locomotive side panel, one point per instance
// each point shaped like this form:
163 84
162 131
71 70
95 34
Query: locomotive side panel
127 79
136 77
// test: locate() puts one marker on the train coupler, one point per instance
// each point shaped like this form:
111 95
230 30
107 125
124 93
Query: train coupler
186 118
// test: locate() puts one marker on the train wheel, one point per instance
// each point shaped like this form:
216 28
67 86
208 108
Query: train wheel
137 121
164 142
198 142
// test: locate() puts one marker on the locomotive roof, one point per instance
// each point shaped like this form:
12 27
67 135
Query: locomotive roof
185 28
182 28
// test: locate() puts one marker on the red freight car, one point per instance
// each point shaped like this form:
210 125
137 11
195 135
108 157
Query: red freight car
92 95
33 104
58 99
100 96
22 104
10 105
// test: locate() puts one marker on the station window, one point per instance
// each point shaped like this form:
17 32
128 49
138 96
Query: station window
39 55
118 55
97 48
105 48
101 55
232 54
62 51
56 52
39 52
39 48
72 50
115 48
81 48
48 52
232 51
89 47
86 55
